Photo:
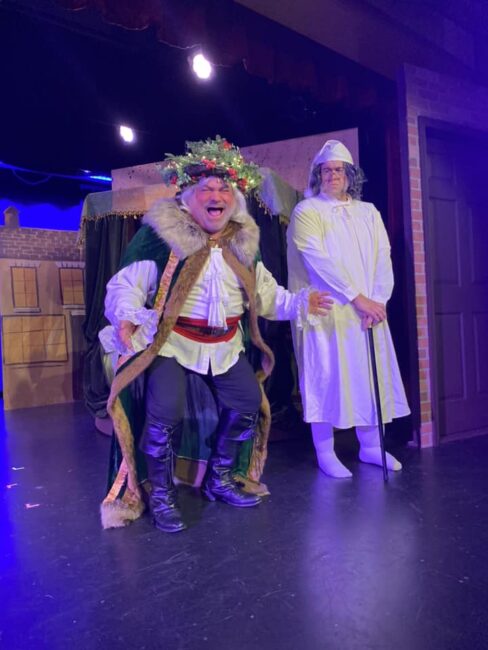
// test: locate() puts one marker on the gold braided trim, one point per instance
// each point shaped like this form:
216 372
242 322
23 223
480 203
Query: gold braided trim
259 450
117 511
248 280
126 441
118 483
165 281
161 295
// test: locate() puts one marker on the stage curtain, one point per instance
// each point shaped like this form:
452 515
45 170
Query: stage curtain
281 386
105 240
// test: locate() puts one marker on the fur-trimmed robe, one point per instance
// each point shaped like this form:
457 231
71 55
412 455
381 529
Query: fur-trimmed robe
179 247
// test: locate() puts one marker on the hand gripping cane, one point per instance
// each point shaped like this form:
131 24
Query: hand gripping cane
381 426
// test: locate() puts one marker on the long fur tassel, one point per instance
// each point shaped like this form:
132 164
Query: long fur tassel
260 447
118 513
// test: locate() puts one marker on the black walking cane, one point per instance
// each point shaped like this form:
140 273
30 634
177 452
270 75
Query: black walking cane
381 426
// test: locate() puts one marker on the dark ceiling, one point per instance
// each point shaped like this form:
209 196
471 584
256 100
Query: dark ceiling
69 79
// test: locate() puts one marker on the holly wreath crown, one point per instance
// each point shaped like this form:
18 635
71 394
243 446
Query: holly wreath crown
209 157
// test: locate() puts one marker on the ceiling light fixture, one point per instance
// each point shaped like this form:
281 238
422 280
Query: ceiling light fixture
201 66
127 134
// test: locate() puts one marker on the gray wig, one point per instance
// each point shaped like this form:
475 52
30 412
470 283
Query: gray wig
354 176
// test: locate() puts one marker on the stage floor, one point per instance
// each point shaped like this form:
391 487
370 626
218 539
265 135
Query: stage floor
323 564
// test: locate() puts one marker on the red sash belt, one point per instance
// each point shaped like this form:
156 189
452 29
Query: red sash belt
199 330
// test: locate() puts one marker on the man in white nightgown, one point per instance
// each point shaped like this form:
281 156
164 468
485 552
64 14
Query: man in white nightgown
338 243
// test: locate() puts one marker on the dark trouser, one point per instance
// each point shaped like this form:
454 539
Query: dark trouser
236 390
238 395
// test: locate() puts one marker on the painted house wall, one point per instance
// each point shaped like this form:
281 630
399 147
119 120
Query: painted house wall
33 382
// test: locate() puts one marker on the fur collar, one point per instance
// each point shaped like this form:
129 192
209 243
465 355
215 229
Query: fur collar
176 228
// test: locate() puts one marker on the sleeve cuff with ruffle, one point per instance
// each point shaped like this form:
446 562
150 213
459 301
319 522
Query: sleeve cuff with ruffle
302 314
146 321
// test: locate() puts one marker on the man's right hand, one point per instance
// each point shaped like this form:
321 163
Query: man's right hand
369 309
126 329
319 303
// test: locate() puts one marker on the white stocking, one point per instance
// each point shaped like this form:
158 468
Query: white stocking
323 439
370 450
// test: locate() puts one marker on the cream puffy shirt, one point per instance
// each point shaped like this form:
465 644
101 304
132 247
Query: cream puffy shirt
215 296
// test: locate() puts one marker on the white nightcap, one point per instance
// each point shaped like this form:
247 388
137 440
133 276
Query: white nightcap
333 150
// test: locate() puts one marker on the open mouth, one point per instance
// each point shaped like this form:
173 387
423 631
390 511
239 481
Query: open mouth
215 212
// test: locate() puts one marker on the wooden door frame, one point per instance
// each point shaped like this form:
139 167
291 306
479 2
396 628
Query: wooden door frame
426 124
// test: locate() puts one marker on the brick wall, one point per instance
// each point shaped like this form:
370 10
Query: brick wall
39 244
440 97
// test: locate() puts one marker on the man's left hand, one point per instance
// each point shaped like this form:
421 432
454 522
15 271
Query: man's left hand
319 303
367 322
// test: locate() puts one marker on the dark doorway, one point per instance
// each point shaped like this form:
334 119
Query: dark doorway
455 173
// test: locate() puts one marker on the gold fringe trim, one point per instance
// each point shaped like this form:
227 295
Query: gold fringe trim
129 214
263 205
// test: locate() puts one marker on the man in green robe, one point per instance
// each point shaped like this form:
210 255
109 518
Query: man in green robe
175 307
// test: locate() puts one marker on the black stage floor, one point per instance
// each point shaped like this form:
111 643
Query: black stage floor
324 564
